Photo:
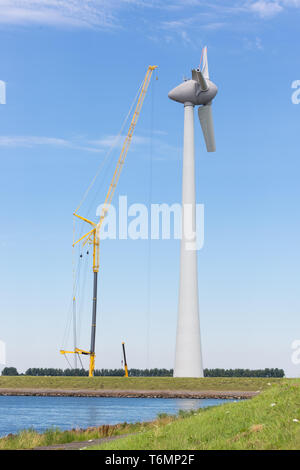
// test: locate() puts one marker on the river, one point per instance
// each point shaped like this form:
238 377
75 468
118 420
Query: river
41 413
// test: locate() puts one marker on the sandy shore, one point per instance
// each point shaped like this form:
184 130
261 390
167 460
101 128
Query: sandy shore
48 392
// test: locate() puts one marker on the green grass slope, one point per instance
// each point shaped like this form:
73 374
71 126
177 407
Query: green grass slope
137 383
268 421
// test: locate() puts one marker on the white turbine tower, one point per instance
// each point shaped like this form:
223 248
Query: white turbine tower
197 91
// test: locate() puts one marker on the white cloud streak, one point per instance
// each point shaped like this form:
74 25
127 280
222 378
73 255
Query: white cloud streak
177 20
266 9
35 141
110 140
269 8
159 144
72 13
107 14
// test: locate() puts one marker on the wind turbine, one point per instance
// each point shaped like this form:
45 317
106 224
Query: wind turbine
199 91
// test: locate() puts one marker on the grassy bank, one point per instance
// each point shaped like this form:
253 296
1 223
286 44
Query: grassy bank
30 439
137 383
269 421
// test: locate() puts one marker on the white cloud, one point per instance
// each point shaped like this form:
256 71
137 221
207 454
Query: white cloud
160 147
266 8
270 8
176 19
73 13
214 25
111 140
291 3
34 141
30 141
252 44
102 145
188 20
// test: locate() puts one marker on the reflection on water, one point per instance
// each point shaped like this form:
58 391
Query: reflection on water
41 413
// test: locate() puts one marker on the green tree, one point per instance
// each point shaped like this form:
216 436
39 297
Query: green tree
10 371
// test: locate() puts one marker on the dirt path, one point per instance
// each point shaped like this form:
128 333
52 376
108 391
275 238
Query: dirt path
82 444
128 393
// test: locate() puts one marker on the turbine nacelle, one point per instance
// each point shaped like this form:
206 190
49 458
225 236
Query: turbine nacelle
191 91
199 91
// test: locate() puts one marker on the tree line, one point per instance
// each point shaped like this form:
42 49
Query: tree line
277 373
38 371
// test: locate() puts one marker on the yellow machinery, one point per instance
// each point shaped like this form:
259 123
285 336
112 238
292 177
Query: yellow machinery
93 236
125 360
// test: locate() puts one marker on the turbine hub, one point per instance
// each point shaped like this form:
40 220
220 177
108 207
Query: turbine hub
191 91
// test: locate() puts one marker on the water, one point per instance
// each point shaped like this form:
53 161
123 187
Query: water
41 413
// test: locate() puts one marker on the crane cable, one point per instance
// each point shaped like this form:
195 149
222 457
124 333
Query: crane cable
70 315
82 294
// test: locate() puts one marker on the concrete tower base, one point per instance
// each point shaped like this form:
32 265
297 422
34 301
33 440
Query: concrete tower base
188 357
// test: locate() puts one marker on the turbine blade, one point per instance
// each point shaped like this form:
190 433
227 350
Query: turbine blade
206 121
205 71
197 75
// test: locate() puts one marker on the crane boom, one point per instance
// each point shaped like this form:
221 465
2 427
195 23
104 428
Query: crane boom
93 236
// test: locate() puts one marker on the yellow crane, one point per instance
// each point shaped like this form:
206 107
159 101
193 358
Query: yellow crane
93 236
125 360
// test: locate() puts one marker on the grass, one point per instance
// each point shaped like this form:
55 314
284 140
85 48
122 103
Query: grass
30 439
264 422
137 383
250 424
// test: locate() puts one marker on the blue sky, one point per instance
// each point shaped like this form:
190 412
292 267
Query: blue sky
72 69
